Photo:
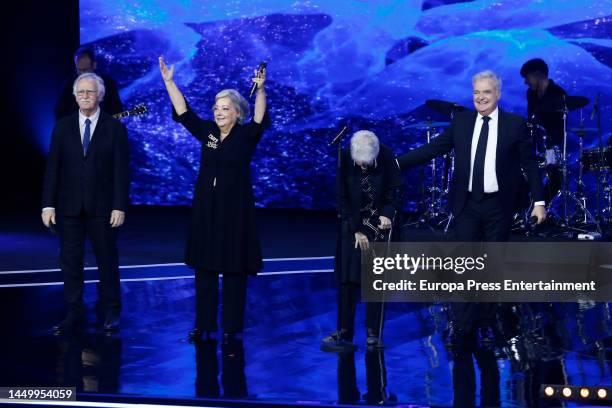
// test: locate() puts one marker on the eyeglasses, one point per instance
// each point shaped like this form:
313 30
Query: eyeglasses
87 92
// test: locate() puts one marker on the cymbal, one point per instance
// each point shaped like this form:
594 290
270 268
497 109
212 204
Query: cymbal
427 125
572 102
444 107
584 130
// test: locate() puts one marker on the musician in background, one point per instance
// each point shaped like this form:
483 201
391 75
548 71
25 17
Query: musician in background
85 62
544 103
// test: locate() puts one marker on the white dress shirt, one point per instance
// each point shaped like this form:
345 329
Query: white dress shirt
490 176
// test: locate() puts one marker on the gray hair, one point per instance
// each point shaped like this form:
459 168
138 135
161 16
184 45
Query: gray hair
241 104
364 147
90 75
490 75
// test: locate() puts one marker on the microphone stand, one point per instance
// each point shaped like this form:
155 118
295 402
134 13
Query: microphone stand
339 180
601 157
337 140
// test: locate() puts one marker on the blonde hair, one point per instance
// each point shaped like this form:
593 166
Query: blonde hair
241 104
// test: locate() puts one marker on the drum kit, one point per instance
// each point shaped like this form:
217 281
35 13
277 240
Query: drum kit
568 211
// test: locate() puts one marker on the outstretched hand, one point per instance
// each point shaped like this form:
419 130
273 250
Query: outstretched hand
167 73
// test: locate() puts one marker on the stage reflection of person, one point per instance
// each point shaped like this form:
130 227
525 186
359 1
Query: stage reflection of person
90 363
376 379
233 377
371 195
544 103
222 238
464 375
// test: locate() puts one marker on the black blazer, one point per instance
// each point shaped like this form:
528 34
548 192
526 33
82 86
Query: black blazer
514 151
386 182
387 188
98 182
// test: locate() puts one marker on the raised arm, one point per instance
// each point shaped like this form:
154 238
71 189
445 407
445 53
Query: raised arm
177 98
260 99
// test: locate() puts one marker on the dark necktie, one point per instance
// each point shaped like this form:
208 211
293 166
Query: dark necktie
479 161
86 135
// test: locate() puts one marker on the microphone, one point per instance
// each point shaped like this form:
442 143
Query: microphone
533 219
338 136
52 228
260 69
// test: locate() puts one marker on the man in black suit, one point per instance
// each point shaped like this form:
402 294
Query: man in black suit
85 62
492 150
491 147
86 190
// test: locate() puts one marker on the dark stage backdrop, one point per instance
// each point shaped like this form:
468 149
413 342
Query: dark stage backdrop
373 63
37 42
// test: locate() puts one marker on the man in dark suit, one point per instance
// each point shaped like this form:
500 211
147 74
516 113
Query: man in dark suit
492 150
85 62
86 190
491 147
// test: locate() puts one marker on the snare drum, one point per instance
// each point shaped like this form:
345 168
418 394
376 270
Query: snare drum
591 160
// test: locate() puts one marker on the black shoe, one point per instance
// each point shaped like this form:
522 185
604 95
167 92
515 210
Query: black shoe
337 342
71 324
111 324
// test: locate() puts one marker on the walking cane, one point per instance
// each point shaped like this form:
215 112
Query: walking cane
379 344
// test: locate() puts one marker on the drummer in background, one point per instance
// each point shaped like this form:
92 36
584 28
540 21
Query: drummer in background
544 103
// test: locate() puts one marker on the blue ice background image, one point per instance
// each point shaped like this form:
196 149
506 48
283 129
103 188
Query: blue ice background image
372 63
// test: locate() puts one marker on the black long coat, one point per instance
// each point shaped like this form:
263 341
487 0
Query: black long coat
387 186
223 235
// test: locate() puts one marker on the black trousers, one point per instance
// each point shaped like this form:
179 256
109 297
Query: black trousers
348 298
480 220
72 232
207 301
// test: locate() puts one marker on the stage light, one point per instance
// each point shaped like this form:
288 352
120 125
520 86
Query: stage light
575 392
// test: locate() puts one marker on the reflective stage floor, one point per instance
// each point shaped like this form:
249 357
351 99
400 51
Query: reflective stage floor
277 362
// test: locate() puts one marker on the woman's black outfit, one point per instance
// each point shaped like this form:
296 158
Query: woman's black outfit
223 237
